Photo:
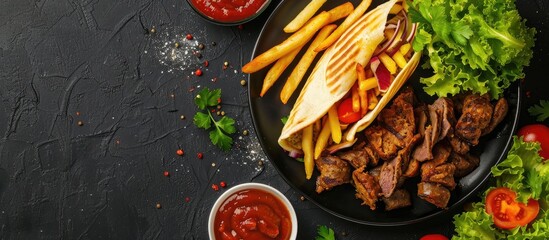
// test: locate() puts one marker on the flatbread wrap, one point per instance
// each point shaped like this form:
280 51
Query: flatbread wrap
380 41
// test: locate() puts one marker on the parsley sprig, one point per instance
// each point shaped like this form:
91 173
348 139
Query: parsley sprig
325 233
204 119
541 110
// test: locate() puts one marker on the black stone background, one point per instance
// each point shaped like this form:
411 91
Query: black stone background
102 180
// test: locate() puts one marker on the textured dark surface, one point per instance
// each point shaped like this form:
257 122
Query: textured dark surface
94 61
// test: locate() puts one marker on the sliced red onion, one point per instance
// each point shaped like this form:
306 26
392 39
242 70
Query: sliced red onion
401 31
412 33
295 154
382 74
334 148
388 42
391 26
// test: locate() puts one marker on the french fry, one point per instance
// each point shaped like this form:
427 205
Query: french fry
322 139
355 15
388 62
363 102
296 40
404 49
341 11
362 93
334 124
399 59
304 16
307 146
365 83
372 99
277 69
355 98
303 65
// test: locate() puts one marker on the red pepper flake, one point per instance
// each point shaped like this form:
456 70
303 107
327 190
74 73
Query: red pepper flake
166 174
240 26
180 152
213 110
77 113
187 199
198 72
199 155
218 100
215 187
214 79
206 63
528 94
189 36
222 184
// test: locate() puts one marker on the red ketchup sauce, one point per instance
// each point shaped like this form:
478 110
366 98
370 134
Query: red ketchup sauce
228 10
252 214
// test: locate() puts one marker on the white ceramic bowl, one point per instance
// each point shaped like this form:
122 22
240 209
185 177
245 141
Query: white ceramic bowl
246 186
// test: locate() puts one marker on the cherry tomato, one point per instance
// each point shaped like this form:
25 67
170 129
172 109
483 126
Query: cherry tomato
538 133
345 112
434 237
508 214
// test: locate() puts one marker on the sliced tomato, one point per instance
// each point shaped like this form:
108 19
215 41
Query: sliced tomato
345 112
537 133
434 236
506 212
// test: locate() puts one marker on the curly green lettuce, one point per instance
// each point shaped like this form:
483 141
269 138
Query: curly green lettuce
525 172
477 45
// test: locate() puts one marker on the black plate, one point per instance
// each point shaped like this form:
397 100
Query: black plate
340 201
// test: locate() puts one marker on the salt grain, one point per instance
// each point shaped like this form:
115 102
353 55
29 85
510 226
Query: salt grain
180 58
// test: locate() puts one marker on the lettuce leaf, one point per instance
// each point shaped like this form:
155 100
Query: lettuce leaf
525 172
477 45
475 224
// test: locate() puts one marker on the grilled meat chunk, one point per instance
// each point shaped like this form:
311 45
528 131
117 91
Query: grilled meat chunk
384 143
424 151
437 170
441 119
476 116
413 168
434 193
333 172
500 111
464 164
445 107
367 187
442 174
420 114
399 199
399 118
391 175
458 145
358 156
375 172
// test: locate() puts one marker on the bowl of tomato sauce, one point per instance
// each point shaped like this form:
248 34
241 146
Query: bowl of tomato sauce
229 12
252 211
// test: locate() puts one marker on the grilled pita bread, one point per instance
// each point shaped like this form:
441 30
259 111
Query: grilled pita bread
335 74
